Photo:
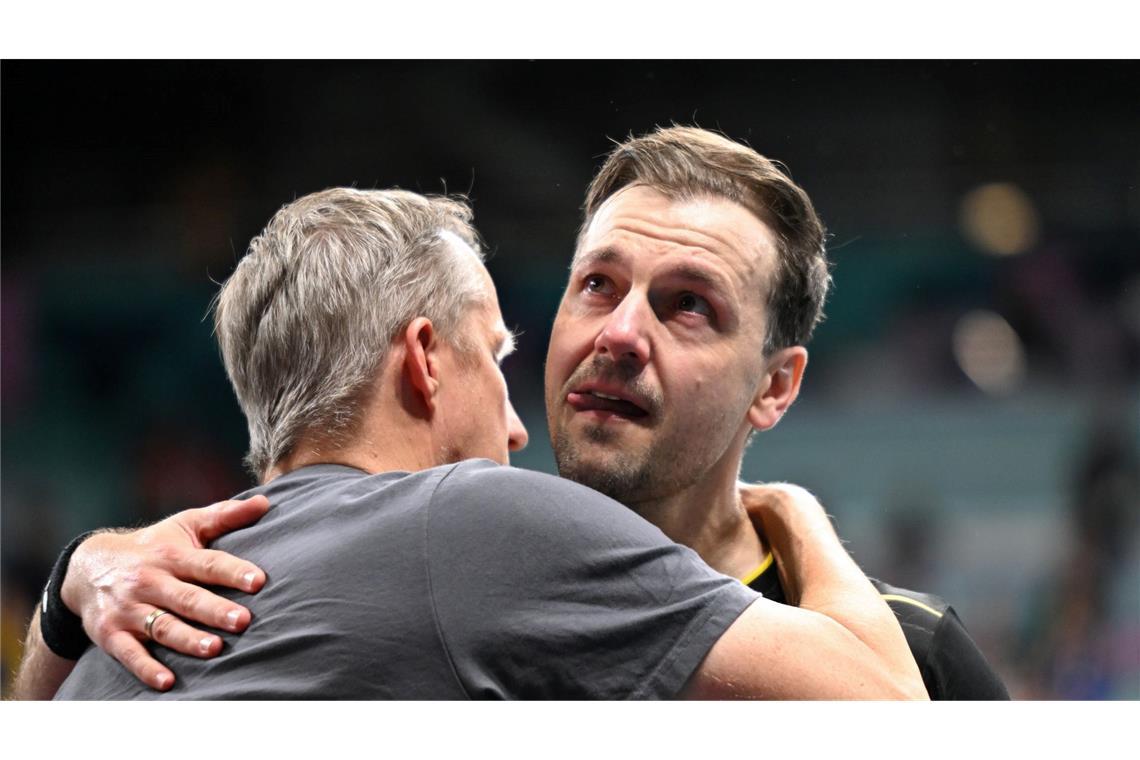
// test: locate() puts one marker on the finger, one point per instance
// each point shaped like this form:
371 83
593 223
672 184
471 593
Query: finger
217 568
211 566
171 632
754 495
216 520
133 655
199 605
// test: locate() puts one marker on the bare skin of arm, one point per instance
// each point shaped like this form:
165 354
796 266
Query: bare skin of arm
842 642
41 670
115 579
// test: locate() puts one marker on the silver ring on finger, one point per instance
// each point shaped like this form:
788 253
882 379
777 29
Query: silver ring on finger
148 627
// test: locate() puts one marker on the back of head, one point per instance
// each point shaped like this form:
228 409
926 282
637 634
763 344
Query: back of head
309 313
688 162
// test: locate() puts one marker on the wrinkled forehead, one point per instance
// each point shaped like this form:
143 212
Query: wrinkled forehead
642 220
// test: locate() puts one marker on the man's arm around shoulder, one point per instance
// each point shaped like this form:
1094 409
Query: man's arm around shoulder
842 642
114 580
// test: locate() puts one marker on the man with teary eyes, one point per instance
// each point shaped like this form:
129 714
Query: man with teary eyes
698 277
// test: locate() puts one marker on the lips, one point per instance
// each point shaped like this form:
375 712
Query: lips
595 400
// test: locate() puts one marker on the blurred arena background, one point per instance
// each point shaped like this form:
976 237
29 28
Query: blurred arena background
971 411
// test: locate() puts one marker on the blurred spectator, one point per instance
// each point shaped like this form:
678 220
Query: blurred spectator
1081 635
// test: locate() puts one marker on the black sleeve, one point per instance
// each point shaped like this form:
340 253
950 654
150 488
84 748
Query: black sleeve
544 588
955 668
951 664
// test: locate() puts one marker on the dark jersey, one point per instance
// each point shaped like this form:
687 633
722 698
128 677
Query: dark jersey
951 664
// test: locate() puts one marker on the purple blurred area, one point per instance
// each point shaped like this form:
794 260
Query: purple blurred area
971 411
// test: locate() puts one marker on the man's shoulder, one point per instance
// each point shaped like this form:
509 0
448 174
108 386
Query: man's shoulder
473 489
921 616
519 510
493 485
518 559
952 665
326 507
483 473
916 607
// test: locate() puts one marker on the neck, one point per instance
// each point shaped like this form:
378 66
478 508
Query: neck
369 454
708 518
387 438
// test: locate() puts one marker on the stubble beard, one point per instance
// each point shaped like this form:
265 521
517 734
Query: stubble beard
599 456
597 459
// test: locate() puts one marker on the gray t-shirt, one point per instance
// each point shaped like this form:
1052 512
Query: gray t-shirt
464 581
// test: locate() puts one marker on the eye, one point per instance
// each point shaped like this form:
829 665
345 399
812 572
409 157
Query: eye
597 283
692 303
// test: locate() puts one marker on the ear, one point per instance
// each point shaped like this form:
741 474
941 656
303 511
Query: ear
421 363
783 373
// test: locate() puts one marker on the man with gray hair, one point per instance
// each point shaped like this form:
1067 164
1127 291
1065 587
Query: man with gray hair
318 298
362 336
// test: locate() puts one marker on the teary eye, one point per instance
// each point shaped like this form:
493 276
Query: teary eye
691 302
596 283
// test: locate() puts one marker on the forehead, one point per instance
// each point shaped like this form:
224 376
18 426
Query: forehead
706 230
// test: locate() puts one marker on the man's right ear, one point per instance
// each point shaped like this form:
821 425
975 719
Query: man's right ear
421 362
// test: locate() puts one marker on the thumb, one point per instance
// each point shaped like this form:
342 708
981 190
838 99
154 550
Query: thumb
209 523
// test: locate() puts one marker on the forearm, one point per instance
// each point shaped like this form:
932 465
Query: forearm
115 581
819 575
41 671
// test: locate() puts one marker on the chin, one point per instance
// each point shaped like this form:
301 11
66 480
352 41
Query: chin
604 469
605 481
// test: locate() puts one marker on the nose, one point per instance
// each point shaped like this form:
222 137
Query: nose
516 431
624 336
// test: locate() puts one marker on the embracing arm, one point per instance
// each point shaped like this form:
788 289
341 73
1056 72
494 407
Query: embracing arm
841 642
114 580
41 670
597 603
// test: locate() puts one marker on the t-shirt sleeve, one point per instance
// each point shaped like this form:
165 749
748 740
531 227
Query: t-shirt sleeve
958 666
952 665
543 588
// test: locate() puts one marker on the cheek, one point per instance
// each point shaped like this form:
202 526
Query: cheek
684 374
566 348
703 388
502 399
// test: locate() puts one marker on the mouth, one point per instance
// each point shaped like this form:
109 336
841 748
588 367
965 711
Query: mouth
606 404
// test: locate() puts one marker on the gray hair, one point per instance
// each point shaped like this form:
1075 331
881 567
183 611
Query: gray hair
310 311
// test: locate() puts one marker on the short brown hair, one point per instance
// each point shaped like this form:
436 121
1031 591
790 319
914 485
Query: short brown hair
686 162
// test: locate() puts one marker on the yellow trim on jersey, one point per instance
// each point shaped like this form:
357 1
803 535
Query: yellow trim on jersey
758 571
915 602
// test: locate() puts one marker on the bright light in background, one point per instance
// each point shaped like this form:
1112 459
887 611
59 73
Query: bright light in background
1000 219
989 352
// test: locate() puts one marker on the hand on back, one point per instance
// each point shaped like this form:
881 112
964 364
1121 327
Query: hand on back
117 580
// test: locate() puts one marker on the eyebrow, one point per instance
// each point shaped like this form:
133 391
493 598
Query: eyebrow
703 276
505 345
681 271
599 256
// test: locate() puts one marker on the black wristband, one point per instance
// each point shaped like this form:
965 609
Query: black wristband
61 629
